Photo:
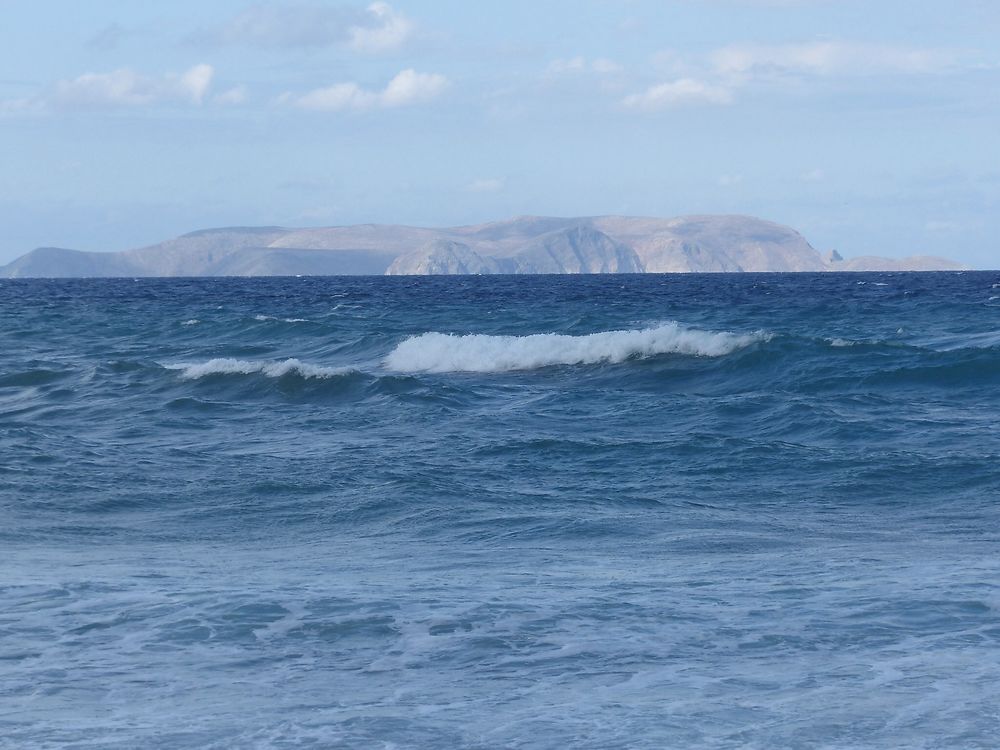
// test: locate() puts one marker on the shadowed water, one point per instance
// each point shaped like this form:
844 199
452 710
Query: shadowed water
721 511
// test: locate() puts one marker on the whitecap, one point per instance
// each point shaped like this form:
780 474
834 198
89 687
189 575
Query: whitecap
191 322
262 318
841 342
229 366
442 352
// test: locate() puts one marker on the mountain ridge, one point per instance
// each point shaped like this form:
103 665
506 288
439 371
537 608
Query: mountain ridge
521 245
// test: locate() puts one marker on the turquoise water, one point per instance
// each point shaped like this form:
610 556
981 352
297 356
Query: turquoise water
720 511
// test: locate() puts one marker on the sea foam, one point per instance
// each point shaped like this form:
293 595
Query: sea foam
442 352
228 366
262 318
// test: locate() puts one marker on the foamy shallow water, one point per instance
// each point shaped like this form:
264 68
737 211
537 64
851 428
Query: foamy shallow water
529 513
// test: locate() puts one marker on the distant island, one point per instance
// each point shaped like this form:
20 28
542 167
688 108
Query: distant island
523 245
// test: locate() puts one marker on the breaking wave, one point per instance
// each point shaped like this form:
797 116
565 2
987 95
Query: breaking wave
228 366
442 352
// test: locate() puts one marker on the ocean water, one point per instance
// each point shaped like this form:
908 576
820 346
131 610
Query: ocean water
705 511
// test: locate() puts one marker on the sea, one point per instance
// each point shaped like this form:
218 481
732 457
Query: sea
649 511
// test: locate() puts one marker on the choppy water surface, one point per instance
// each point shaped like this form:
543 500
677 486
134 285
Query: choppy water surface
734 511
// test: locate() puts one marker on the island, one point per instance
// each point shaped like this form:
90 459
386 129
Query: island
522 245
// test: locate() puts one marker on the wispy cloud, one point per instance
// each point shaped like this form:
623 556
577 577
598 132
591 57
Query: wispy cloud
828 58
126 88
233 96
580 64
716 78
407 88
21 106
377 28
387 31
683 91
107 38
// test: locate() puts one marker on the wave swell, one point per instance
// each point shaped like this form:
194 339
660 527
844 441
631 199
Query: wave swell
442 352
228 366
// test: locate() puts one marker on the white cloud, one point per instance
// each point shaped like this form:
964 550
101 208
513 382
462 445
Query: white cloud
120 87
715 78
485 185
411 87
684 91
196 81
730 180
827 58
126 88
235 95
408 87
340 96
814 175
580 64
377 28
388 32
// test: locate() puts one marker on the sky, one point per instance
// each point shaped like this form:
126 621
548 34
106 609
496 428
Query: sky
870 127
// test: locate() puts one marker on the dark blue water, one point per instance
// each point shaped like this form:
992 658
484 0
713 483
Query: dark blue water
723 511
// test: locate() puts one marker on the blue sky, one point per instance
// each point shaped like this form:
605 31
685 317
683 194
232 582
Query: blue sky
872 127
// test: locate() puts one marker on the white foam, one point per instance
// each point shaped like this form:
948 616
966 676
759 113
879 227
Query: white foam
228 366
442 352
262 318
191 322
842 342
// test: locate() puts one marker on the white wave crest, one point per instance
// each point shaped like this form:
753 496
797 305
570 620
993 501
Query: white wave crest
442 352
262 318
228 366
